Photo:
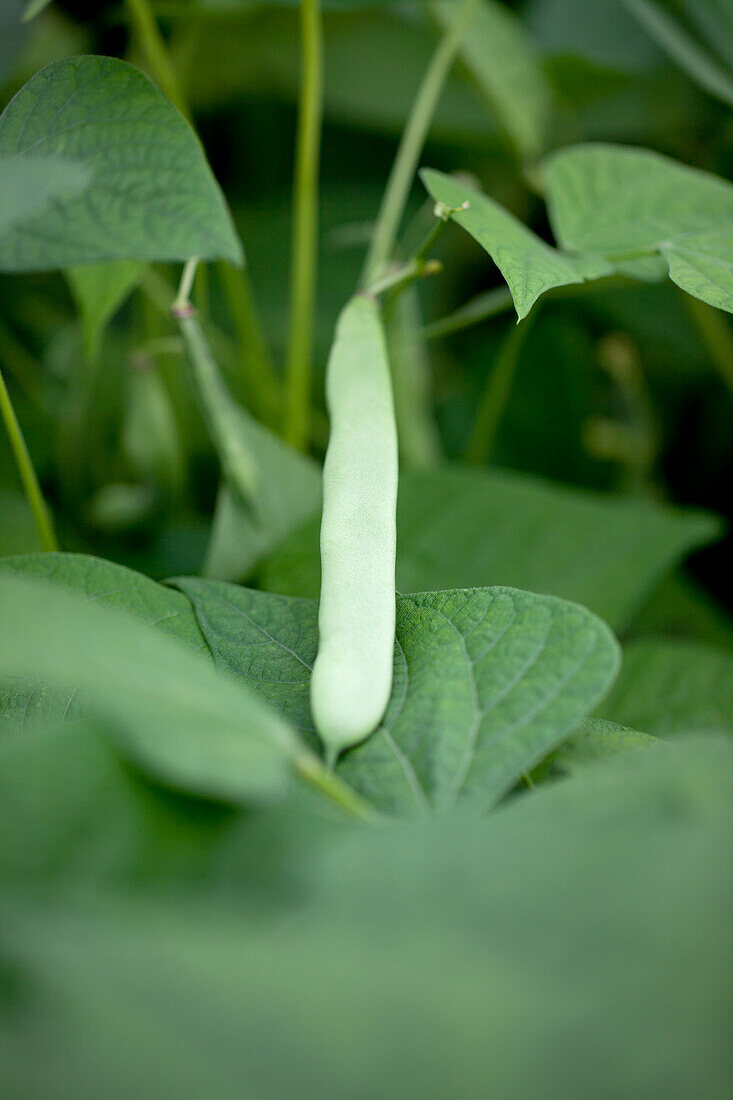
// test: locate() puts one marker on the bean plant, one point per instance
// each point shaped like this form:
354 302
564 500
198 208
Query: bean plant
364 727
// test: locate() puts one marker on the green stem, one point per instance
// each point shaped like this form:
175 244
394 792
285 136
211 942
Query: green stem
496 395
325 780
411 146
715 335
479 309
27 473
304 254
223 418
404 275
261 382
152 44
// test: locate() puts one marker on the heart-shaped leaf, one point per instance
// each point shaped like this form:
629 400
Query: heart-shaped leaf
486 682
620 202
529 265
150 194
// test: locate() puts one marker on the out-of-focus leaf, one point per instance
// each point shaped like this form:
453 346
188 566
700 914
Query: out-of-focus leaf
529 265
673 687
680 608
714 21
506 67
29 186
594 742
100 290
25 704
12 34
462 528
287 491
486 683
258 56
602 32
674 38
171 711
34 8
150 195
18 531
620 202
592 917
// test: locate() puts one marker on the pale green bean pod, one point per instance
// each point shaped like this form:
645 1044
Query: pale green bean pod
352 675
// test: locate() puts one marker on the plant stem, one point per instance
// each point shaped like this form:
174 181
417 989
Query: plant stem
496 395
480 308
304 255
411 146
153 46
324 779
715 335
27 473
404 275
263 385
222 416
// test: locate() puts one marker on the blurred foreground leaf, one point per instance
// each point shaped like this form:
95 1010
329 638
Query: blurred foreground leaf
592 917
170 710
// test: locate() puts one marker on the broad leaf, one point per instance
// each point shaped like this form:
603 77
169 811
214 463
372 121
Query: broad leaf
586 924
287 492
151 195
34 8
529 265
673 37
486 683
12 34
30 186
594 742
100 290
673 687
18 533
170 710
620 202
461 528
507 69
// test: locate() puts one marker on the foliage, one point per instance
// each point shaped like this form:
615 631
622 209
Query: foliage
514 878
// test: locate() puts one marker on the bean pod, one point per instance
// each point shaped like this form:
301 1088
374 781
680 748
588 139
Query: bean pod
352 675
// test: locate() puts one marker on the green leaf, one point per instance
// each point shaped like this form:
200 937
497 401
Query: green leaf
151 195
714 21
529 265
594 742
507 69
72 808
620 201
170 710
34 8
100 290
586 924
12 35
18 533
486 683
30 186
680 608
676 41
470 528
288 490
670 687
